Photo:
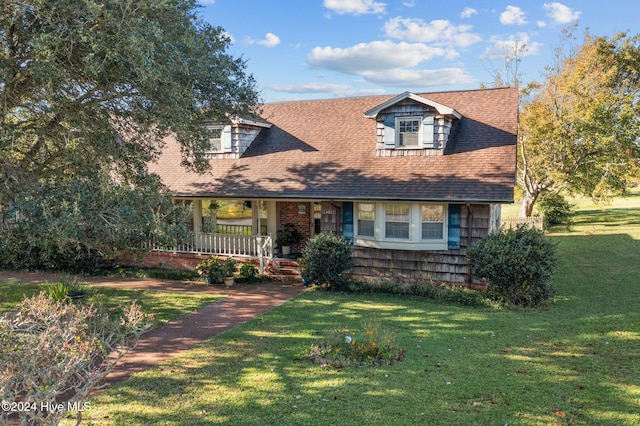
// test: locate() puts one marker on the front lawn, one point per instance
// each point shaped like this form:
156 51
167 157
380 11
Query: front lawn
575 362
164 305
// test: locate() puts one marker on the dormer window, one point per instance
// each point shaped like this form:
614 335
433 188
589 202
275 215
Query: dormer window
408 131
409 124
412 132
215 138
230 139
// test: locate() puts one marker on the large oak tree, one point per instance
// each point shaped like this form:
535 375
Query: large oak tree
88 90
580 130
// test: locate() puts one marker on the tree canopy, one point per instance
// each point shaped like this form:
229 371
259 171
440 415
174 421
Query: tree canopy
580 131
89 89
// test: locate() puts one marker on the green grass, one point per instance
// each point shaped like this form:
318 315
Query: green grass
165 305
575 362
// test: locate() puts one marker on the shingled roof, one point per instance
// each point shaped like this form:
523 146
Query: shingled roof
326 149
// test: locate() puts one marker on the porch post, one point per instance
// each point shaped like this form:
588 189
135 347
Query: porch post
260 254
197 216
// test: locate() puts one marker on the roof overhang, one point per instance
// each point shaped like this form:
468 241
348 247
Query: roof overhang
442 109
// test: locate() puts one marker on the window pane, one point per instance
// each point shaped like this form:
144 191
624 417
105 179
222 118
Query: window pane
408 132
215 138
432 231
397 221
366 216
397 212
432 222
432 213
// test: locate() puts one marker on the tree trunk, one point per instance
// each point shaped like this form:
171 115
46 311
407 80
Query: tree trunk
528 201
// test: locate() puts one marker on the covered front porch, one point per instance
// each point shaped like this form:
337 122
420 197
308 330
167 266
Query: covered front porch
247 228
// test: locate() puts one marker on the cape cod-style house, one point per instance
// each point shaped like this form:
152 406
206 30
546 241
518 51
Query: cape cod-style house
410 180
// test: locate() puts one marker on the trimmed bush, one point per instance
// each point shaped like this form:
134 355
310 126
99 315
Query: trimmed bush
518 265
556 209
325 258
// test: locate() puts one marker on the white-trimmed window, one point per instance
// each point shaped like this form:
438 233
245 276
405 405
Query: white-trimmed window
215 138
408 129
366 219
404 226
432 218
396 221
409 132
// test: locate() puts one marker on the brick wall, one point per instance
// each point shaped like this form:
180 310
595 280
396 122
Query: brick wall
290 213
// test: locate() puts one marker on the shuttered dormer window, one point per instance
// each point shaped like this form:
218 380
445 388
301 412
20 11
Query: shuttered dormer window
412 132
219 138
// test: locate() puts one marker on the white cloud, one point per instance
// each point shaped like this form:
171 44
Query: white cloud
504 49
355 7
207 1
468 12
389 63
560 13
377 55
405 78
270 40
513 16
409 3
440 31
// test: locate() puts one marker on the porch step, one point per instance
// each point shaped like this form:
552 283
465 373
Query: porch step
281 266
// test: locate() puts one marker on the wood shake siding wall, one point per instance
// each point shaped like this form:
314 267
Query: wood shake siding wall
440 266
241 138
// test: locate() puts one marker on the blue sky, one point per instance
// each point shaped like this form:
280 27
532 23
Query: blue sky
312 49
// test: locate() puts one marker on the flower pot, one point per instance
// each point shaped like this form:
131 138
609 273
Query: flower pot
211 280
286 250
228 281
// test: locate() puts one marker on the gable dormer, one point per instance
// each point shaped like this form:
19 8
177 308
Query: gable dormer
231 138
409 124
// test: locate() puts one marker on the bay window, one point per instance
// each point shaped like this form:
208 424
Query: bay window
407 226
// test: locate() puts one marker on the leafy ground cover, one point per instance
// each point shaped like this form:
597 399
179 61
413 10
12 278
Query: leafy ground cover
575 362
165 305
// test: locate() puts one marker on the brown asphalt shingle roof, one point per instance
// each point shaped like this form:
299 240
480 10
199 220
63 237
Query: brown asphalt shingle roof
325 149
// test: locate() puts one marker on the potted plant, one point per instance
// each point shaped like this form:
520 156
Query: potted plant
229 270
288 237
213 269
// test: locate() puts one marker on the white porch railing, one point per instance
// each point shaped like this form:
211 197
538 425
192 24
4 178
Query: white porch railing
256 246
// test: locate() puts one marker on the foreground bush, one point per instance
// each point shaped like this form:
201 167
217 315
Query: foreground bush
325 258
345 347
518 265
52 349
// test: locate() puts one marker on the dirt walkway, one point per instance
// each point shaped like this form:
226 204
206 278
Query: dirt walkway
243 303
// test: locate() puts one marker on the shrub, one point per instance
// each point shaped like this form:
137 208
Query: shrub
556 209
325 258
518 265
248 272
50 348
345 347
430 290
62 290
